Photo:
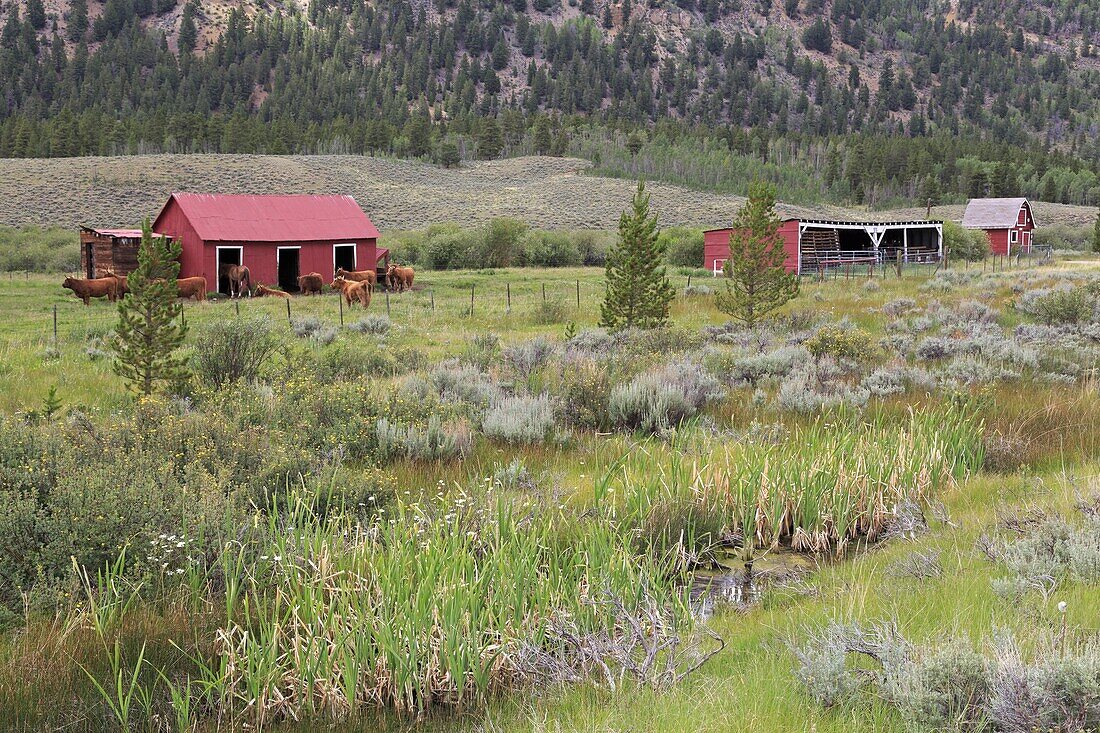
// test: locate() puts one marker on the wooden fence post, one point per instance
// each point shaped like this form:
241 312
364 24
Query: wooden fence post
55 326
432 293
340 301
288 311
508 292
544 292
237 307
579 292
387 301
689 283
471 301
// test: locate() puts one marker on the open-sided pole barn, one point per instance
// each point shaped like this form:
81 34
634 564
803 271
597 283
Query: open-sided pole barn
812 245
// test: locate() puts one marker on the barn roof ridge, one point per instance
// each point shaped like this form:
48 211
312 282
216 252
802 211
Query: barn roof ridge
995 213
234 217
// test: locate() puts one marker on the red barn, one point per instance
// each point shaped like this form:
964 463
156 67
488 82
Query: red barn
812 245
277 237
1008 222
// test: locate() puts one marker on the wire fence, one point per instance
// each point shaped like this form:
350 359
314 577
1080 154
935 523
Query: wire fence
68 320
473 296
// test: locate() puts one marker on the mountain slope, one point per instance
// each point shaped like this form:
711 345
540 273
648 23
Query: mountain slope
484 78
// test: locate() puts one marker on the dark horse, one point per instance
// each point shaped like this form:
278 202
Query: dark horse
238 275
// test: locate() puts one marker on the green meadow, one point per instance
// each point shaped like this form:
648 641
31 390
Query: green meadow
470 508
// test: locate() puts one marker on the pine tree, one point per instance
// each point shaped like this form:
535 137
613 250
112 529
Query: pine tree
638 291
756 281
36 14
78 20
148 332
189 33
419 132
542 140
490 142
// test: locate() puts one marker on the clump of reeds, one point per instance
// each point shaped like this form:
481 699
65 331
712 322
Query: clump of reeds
438 606
826 485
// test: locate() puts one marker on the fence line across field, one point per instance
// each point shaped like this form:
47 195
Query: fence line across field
71 320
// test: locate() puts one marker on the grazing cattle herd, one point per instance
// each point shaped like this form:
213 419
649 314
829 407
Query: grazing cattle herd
354 286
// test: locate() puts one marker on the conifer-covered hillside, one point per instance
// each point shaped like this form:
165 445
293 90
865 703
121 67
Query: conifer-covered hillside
988 96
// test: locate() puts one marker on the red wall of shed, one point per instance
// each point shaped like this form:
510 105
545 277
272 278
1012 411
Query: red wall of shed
716 246
998 238
172 223
261 258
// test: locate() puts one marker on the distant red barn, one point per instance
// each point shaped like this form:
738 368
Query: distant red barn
811 245
277 237
1008 222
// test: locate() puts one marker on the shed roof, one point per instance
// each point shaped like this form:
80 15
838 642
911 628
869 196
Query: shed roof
281 218
994 213
118 233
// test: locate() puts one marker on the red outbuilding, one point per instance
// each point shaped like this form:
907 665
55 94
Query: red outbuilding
277 237
1008 222
813 245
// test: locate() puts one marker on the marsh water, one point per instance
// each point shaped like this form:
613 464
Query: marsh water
737 584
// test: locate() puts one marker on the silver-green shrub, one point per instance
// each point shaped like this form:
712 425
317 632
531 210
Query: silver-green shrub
520 419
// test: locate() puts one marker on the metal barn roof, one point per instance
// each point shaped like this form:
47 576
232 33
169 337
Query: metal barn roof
993 213
280 218
850 223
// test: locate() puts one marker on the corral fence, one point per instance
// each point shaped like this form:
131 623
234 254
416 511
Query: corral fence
872 263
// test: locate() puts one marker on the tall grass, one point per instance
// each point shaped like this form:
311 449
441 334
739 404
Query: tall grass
827 484
441 605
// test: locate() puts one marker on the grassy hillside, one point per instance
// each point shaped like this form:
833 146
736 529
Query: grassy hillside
551 193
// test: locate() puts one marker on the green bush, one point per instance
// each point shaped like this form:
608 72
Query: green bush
233 350
948 690
970 245
497 243
549 249
31 249
841 343
683 246
1063 236
1061 305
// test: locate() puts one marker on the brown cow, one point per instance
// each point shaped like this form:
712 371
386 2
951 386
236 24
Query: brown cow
100 287
359 276
262 290
192 287
353 291
311 283
399 278
122 285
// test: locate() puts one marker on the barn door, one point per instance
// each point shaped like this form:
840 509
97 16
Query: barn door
289 268
227 257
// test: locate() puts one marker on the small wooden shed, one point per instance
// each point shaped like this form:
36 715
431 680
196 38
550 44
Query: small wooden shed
108 249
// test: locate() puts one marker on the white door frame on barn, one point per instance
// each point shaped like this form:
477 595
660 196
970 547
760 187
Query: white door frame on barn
354 256
279 257
218 262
